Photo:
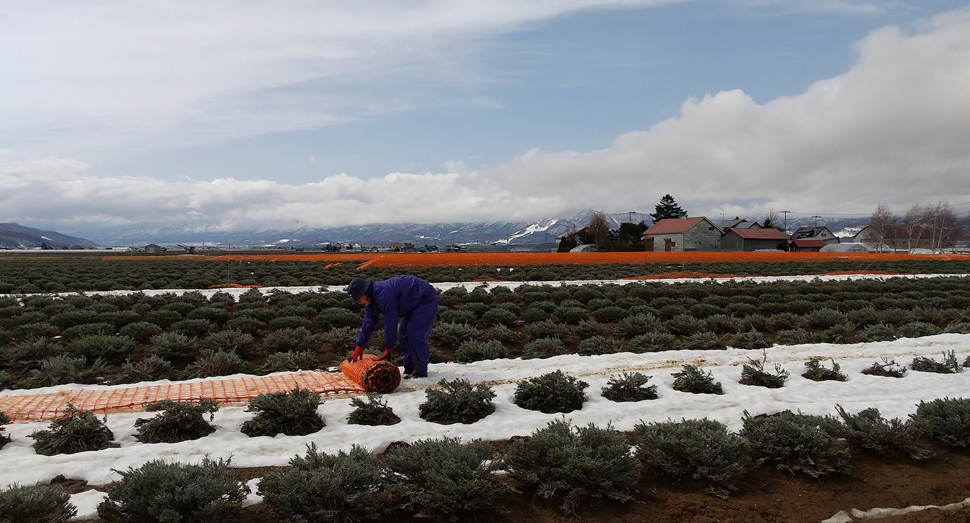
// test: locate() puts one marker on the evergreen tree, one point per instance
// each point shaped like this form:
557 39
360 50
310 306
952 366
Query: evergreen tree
567 243
667 208
772 222
628 237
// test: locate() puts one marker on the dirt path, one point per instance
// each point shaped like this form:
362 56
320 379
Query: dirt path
765 496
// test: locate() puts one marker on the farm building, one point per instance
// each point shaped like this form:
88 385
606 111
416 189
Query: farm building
844 247
683 234
807 245
737 223
815 233
753 239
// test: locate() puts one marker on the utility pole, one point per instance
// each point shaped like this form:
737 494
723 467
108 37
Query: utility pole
786 220
816 220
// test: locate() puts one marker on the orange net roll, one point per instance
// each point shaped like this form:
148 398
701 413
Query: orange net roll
37 407
373 374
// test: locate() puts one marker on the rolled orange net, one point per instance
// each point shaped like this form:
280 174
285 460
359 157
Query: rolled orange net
373 374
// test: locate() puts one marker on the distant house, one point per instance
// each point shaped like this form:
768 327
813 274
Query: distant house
402 247
807 245
737 223
683 234
815 233
865 235
153 248
753 239
894 237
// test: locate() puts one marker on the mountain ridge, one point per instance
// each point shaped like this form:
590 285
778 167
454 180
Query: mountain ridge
16 236
383 234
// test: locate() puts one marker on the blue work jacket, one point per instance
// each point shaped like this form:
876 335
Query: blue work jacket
395 298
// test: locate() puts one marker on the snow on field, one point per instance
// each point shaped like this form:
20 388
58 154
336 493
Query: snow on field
894 397
469 285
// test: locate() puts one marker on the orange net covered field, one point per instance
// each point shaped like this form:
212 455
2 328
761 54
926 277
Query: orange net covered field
513 259
364 376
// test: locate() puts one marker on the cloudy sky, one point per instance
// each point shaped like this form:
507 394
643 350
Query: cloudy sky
255 115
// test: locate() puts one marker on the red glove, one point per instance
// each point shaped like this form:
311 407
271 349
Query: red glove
387 354
356 355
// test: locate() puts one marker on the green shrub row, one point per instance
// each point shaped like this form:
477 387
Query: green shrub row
448 480
24 275
51 340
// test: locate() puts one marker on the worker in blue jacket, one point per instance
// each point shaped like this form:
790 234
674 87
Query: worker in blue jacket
411 300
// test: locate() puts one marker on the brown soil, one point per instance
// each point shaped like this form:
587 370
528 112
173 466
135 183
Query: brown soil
765 496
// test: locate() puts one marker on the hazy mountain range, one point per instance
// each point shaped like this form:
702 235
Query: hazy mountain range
14 236
380 234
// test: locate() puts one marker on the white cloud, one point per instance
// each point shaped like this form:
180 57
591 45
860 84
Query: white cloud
100 74
893 129
59 193
814 6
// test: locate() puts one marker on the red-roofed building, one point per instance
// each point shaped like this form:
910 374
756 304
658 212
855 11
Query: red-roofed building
807 245
753 239
683 234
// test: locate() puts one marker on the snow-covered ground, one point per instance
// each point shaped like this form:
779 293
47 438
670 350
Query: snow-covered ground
469 285
894 397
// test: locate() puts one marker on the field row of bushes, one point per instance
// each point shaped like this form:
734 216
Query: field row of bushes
50 340
449 480
295 412
39 275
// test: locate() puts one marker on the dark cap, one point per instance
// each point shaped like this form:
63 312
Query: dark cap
357 288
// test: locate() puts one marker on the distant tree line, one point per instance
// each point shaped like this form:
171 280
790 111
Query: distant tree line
935 228
931 227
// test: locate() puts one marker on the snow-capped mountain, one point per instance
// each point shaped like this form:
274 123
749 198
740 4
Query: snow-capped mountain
383 234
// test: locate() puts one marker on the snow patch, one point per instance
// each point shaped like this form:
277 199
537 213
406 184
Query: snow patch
879 513
87 504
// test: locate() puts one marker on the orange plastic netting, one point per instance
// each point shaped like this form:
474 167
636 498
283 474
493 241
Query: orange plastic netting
361 378
506 259
374 375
